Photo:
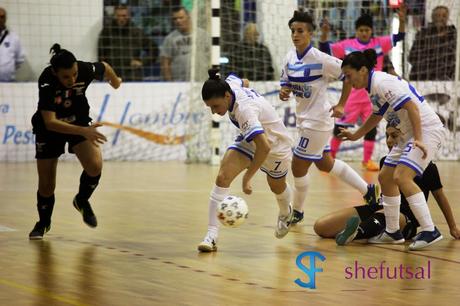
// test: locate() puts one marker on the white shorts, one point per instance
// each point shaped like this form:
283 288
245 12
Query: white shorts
276 165
311 144
404 153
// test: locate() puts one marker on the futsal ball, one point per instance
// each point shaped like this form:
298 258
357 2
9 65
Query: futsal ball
232 211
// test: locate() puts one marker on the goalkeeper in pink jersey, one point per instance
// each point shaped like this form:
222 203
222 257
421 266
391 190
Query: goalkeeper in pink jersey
358 104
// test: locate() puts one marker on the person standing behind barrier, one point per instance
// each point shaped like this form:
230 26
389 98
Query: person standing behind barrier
11 52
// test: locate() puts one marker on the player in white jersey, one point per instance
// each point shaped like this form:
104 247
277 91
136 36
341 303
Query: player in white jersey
306 73
421 136
264 143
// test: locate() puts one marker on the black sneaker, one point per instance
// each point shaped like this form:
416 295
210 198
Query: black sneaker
373 194
39 231
84 208
297 218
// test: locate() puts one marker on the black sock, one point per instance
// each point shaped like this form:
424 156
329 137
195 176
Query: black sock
365 211
45 208
87 185
371 226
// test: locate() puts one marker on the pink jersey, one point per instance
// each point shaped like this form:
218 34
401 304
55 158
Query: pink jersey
382 45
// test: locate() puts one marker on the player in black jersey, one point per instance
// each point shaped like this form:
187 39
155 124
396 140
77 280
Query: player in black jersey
63 117
365 221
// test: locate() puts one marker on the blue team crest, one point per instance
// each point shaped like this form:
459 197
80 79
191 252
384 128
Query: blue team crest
7 44
393 119
307 91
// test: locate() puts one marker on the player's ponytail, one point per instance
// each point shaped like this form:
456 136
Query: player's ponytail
61 58
214 87
358 59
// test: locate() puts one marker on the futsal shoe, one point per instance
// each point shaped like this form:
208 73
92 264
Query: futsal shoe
370 165
297 218
373 194
85 209
209 244
350 231
39 231
284 224
387 238
424 239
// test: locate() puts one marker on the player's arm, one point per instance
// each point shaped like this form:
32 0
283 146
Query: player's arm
370 123
444 205
414 118
111 76
339 109
166 68
262 150
56 125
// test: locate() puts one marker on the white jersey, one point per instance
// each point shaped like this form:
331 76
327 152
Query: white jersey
253 115
388 95
308 75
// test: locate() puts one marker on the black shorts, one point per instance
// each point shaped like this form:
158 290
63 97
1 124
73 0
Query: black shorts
52 145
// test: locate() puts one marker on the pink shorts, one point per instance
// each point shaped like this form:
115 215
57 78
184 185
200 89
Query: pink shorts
354 111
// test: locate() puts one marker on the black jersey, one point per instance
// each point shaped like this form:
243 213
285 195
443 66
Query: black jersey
69 104
429 181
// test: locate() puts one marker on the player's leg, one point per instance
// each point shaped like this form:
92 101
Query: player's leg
90 158
369 139
48 148
343 171
276 170
412 163
46 169
331 224
235 160
391 201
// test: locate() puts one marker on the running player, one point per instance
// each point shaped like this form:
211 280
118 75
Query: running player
264 144
63 117
365 221
306 73
358 105
421 136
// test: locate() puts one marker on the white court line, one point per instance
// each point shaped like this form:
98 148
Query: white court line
6 229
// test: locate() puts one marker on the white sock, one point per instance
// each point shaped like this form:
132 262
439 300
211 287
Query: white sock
218 194
419 207
391 210
284 199
349 176
300 191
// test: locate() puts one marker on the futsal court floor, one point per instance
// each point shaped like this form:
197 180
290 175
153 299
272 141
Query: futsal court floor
152 216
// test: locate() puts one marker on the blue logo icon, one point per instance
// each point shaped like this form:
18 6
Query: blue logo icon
310 271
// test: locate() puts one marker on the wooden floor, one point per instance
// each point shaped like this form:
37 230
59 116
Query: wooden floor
151 218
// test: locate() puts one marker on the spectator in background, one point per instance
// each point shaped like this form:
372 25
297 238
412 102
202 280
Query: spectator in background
432 55
176 51
125 47
251 59
11 52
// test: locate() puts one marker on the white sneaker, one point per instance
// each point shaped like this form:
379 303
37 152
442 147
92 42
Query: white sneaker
388 238
209 244
284 224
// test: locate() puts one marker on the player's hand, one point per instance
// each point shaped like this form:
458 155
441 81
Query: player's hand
136 63
93 135
455 232
421 146
247 188
115 83
345 134
337 111
285 92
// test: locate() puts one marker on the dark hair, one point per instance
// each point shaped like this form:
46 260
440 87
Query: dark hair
61 58
214 87
179 8
121 7
358 59
364 20
300 16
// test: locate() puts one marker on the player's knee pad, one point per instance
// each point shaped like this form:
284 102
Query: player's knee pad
371 134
